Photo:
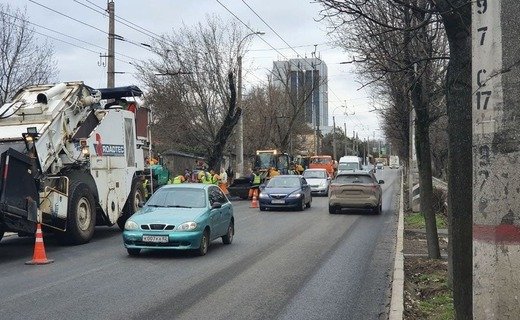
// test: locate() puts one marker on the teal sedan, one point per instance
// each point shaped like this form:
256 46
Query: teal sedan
185 216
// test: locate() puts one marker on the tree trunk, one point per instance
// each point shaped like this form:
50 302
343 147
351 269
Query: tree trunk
458 100
422 140
231 119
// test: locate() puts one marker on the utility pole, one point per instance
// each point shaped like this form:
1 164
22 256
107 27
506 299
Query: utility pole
354 143
334 138
111 45
240 125
346 140
495 151
239 170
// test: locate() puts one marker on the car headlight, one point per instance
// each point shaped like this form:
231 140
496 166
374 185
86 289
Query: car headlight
186 226
263 195
130 225
295 195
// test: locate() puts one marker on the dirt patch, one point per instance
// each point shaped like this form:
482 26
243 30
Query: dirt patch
426 293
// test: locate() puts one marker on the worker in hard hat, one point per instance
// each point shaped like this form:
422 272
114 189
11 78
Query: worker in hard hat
255 180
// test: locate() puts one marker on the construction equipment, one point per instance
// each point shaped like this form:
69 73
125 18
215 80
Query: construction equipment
72 157
266 159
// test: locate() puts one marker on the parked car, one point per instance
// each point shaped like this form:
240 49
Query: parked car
355 190
379 166
319 181
285 191
181 217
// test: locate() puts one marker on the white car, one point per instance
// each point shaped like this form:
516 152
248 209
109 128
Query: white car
319 181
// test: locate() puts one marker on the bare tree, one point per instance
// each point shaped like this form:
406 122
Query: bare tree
22 61
192 87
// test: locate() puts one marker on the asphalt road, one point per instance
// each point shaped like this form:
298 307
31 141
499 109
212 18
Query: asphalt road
281 265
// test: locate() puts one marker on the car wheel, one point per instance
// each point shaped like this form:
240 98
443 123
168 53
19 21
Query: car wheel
262 208
133 252
228 237
204 244
332 210
378 209
308 205
302 205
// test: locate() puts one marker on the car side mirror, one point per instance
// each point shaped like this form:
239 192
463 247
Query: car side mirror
381 181
262 186
216 205
140 204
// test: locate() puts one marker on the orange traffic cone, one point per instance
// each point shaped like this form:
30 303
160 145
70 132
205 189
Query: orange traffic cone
254 202
39 256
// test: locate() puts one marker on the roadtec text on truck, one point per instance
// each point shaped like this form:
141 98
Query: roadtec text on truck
71 157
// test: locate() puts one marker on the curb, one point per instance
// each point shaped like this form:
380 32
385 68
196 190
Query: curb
397 302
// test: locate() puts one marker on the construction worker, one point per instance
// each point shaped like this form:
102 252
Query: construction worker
145 186
201 176
256 180
299 168
178 179
207 178
223 179
187 175
273 172
214 177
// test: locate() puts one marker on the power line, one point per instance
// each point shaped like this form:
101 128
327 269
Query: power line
67 16
248 27
62 34
121 20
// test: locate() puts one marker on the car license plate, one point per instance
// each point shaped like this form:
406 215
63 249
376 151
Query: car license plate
156 239
277 201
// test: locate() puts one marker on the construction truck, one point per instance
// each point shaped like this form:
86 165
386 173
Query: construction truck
264 160
72 157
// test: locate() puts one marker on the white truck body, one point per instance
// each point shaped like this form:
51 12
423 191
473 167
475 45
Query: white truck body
74 154
394 162
347 163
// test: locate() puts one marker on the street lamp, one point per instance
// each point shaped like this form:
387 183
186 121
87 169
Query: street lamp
239 172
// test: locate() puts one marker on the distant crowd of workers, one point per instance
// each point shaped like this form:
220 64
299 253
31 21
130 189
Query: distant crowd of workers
200 176
221 179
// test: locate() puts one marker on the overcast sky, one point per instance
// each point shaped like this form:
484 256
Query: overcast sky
294 20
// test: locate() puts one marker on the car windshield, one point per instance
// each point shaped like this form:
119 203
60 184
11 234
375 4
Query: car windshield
315 174
344 179
178 198
284 182
348 166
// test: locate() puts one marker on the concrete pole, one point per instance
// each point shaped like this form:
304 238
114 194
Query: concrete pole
346 140
239 172
496 153
334 138
111 46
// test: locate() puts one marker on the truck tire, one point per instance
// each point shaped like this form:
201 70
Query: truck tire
1 232
81 215
131 205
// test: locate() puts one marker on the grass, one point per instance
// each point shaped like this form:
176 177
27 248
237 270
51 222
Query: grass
437 301
416 221
428 296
